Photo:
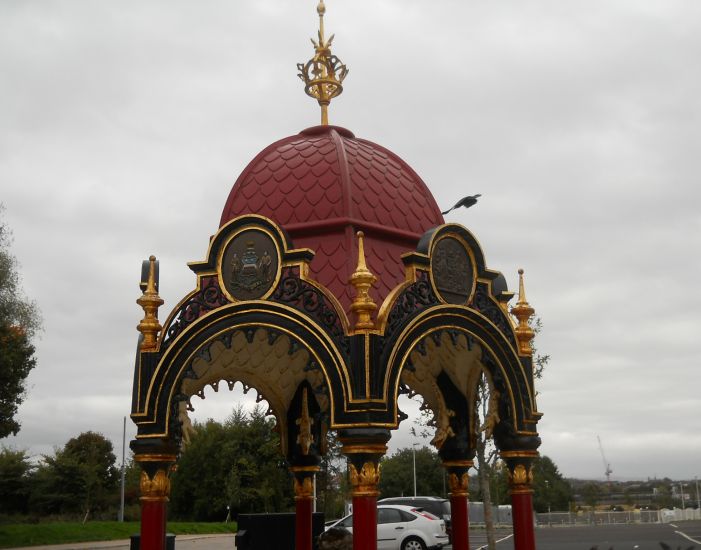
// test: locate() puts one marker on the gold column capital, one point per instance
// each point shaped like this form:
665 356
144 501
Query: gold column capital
519 465
459 486
304 481
521 479
156 487
156 468
304 487
364 482
458 476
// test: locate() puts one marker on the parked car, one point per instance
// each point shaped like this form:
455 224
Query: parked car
437 506
404 528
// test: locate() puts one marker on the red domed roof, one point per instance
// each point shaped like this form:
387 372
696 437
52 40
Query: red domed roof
322 186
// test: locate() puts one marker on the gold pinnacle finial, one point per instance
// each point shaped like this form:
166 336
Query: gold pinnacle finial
362 279
323 73
150 301
523 312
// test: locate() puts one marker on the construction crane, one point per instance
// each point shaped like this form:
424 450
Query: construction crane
607 467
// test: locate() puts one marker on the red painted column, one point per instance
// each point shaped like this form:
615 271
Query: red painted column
458 481
364 448
304 505
364 523
521 488
522 514
155 488
153 524
460 522
303 524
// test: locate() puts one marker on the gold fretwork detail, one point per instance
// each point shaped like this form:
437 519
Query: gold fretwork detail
523 312
156 487
305 437
364 483
459 485
322 74
304 488
362 279
150 301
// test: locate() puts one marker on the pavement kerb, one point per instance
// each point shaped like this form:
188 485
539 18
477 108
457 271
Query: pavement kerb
110 543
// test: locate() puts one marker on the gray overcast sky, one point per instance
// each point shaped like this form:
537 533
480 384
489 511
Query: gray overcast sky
124 124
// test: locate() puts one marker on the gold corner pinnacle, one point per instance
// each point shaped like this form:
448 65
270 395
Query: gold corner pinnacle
523 312
362 279
150 301
322 74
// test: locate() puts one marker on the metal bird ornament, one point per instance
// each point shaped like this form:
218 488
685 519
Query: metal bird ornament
465 202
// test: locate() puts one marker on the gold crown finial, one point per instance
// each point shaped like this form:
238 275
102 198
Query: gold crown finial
362 279
523 312
323 73
150 301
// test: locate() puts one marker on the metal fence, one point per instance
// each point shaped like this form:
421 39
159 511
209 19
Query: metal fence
500 514
634 516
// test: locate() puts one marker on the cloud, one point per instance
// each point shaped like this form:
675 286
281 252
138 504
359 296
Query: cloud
124 127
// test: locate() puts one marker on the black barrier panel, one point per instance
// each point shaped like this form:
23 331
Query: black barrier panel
272 531
135 542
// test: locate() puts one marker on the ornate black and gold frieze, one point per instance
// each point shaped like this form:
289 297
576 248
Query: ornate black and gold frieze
311 300
414 299
203 300
257 317
489 307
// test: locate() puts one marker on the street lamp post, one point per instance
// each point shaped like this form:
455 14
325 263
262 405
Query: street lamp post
681 488
121 481
413 452
698 500
547 496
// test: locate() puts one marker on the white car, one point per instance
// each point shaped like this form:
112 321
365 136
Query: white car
404 528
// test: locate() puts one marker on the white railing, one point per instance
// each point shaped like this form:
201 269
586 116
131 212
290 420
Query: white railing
634 516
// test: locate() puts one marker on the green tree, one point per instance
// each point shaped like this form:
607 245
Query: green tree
331 488
591 494
550 489
19 322
236 464
397 477
15 471
81 477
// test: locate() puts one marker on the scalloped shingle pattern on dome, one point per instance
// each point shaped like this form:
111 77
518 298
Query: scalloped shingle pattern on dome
300 171
334 262
387 191
323 185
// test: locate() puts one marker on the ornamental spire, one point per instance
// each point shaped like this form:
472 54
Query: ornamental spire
150 301
523 312
362 279
323 73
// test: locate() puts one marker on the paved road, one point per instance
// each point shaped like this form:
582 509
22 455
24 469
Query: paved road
681 535
620 537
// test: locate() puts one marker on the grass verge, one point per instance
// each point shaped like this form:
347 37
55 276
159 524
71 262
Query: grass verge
16 535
